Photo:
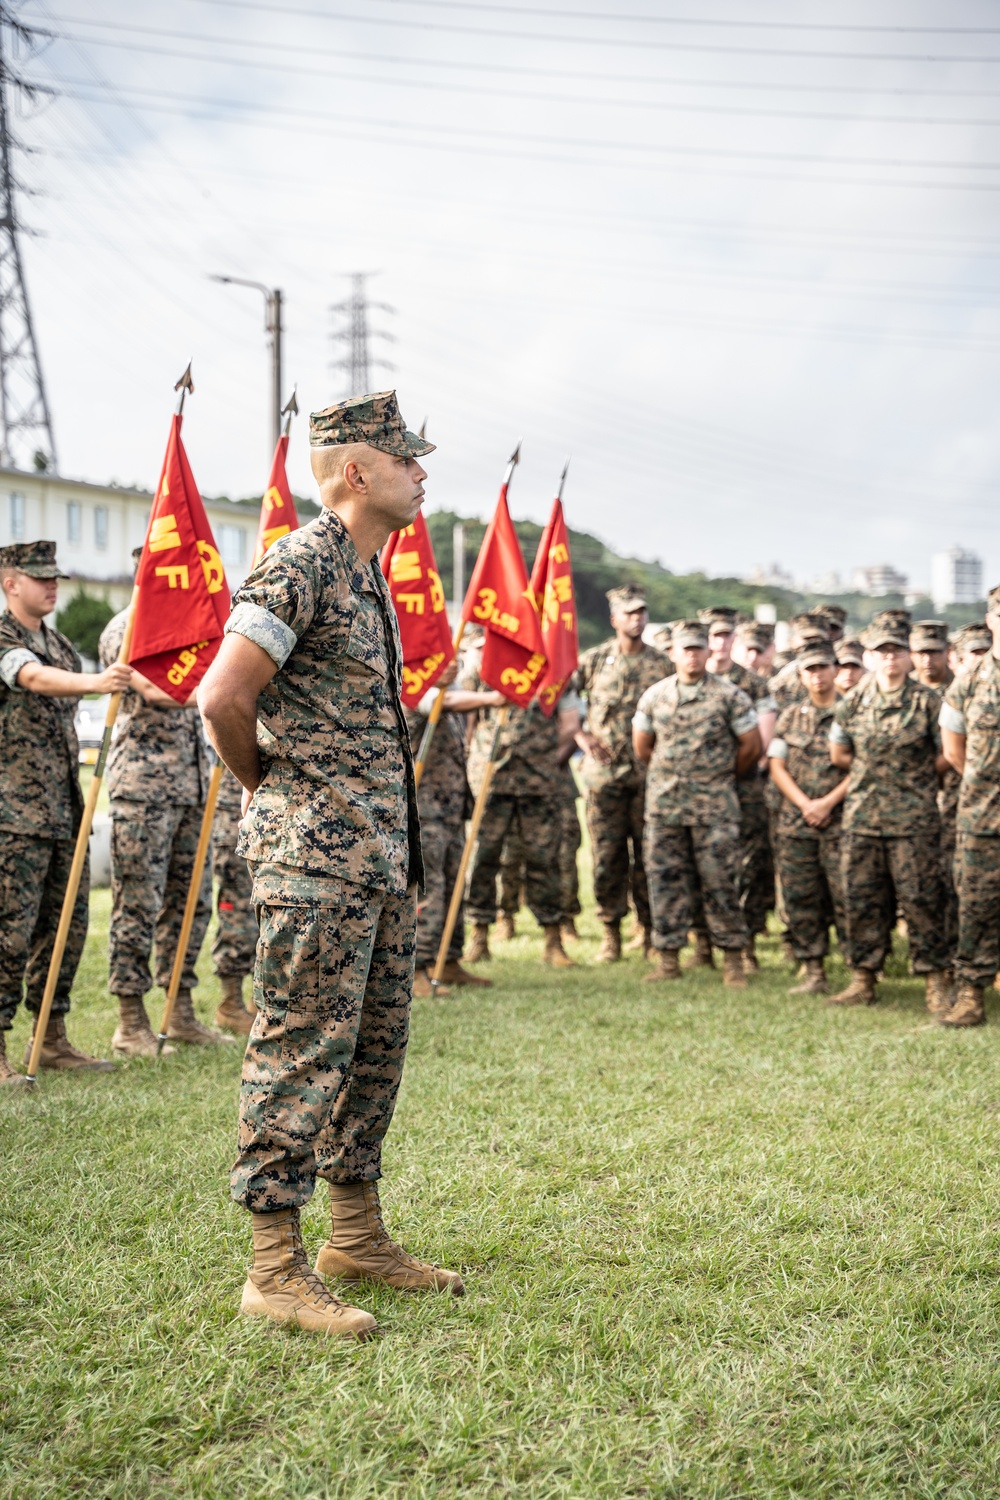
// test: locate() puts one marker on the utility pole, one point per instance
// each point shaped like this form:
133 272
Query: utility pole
25 422
458 566
355 333
272 327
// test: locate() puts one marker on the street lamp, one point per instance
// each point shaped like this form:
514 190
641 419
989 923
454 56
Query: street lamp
272 327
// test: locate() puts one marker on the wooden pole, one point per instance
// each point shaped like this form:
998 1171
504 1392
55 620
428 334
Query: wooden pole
434 715
191 904
477 818
79 857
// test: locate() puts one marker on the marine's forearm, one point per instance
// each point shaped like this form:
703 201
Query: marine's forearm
232 728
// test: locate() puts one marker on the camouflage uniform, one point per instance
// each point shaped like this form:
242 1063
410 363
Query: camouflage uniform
158 772
972 707
236 933
445 803
332 836
808 859
524 799
890 851
40 808
612 683
512 861
756 882
691 836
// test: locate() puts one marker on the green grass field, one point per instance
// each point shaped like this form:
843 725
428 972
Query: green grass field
715 1245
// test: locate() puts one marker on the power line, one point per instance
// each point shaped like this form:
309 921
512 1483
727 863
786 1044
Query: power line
432 86
356 335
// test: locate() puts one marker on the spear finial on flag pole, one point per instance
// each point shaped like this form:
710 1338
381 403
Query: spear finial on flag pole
290 410
562 478
184 385
512 463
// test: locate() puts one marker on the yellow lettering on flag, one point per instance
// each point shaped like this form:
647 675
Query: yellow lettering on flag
272 533
211 566
164 533
412 603
437 592
176 575
559 553
273 497
405 567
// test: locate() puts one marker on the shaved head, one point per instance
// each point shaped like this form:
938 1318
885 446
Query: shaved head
330 462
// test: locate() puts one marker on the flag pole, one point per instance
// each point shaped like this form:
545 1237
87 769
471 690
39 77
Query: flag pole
478 811
290 410
79 858
437 706
191 904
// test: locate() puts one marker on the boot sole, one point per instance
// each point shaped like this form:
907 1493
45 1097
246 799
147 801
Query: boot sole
253 1304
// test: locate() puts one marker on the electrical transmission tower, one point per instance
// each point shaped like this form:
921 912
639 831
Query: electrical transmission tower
25 423
356 335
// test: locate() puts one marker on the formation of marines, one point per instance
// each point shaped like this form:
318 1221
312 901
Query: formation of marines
849 785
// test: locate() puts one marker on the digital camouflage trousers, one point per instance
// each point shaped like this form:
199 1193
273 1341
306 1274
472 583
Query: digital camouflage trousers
810 876
948 878
333 984
614 822
882 876
512 863
756 874
977 879
152 859
685 866
236 932
535 820
33 875
442 840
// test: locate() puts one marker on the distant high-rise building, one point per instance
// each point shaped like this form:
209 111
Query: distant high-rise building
880 578
956 577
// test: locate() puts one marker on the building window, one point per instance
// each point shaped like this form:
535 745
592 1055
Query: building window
232 546
101 527
17 518
73 521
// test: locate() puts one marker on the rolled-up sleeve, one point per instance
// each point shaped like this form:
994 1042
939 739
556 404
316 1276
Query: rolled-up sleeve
840 736
952 719
777 750
264 629
11 663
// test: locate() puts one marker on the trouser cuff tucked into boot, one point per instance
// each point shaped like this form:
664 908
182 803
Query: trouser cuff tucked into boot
134 1036
553 953
59 1054
610 950
282 1286
666 966
360 1249
860 991
232 1014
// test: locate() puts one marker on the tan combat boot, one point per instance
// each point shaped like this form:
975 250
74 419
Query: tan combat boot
860 991
8 1078
733 974
610 950
812 979
939 991
61 1056
554 954
282 1285
641 941
134 1036
568 929
666 964
360 1248
750 961
702 957
232 1013
968 1009
455 974
479 944
422 987
505 930
185 1026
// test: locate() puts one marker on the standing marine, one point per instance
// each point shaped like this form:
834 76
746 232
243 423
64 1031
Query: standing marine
303 704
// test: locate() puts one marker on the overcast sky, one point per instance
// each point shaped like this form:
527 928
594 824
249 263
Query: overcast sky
743 269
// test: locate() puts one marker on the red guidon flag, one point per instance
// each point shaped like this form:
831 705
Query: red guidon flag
415 585
499 599
552 587
277 509
183 601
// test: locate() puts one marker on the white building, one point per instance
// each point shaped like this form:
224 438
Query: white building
95 527
879 579
956 577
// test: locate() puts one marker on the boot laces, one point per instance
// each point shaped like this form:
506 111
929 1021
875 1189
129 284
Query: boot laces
381 1236
301 1274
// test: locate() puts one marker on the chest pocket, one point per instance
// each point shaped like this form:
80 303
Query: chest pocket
983 714
366 643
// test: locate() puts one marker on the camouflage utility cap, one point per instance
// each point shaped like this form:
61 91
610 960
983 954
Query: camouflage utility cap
830 614
374 420
993 600
627 599
974 637
719 617
753 633
849 653
37 559
929 635
817 656
689 633
884 633
901 619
